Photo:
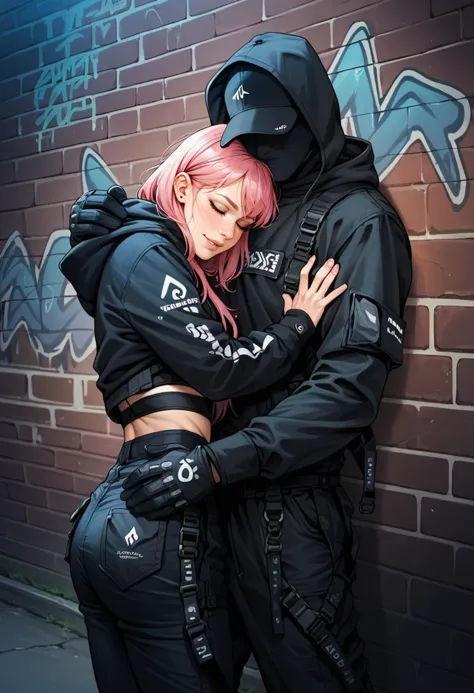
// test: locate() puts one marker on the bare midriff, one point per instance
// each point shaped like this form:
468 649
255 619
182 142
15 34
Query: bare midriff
172 419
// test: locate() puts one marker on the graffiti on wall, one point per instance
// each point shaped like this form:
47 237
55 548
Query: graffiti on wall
415 108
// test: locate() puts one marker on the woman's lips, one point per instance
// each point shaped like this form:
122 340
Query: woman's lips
214 244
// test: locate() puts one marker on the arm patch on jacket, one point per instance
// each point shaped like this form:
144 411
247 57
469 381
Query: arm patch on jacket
373 327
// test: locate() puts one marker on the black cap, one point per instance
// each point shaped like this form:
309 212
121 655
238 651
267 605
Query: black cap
257 104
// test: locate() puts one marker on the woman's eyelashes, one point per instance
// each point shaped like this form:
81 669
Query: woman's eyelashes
222 213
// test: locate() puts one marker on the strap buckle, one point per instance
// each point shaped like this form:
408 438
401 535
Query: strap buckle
188 541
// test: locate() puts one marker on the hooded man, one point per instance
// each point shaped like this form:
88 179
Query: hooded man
291 544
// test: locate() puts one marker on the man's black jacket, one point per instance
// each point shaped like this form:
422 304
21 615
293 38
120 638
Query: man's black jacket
339 382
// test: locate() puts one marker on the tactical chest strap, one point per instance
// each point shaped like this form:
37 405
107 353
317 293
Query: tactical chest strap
305 246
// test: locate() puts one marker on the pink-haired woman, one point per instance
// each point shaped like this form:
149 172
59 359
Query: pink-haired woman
152 592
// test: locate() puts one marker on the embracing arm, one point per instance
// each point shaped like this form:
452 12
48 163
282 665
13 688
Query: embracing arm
162 303
362 340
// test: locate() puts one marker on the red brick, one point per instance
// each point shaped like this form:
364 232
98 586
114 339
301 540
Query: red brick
63 502
25 433
20 412
405 427
18 196
84 486
407 171
60 189
91 396
72 159
465 382
217 50
15 511
381 586
453 521
454 328
190 83
53 389
13 385
155 43
201 6
40 166
8 128
7 430
421 377
123 123
17 147
322 10
101 445
27 494
140 170
151 18
417 319
418 38
166 66
237 16
11 470
410 203
54 51
464 575
26 534
7 172
53 437
11 221
451 65
468 22
118 55
105 33
392 508
382 17
134 147
442 6
18 64
442 218
44 220
188 34
408 470
48 478
149 93
28 453
176 132
116 101
161 114
409 554
195 107
18 106
79 463
49 520
15 41
454 608
27 554
443 268
81 420
463 480
82 132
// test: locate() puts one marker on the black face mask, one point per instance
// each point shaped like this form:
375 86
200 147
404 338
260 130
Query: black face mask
283 154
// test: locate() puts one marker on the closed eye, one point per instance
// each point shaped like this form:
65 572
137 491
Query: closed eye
219 211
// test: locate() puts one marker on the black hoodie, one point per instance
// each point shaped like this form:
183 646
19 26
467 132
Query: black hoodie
141 291
341 379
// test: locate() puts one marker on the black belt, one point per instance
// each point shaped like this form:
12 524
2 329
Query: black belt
259 489
164 401
188 551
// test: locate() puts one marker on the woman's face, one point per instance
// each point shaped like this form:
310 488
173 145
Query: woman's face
214 216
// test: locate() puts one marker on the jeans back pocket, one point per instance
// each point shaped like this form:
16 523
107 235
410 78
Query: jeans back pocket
74 519
131 547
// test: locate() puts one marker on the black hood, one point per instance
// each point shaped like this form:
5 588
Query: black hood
83 265
293 62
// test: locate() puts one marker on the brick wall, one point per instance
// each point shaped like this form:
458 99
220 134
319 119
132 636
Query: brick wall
94 92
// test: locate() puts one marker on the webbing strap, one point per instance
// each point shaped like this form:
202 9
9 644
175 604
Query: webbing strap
164 401
273 515
188 552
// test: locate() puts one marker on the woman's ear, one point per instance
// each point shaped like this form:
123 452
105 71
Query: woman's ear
182 186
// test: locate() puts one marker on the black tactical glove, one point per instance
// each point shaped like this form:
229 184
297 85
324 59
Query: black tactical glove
158 488
96 213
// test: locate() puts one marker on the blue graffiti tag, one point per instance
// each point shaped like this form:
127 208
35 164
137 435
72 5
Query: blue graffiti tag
414 108
40 298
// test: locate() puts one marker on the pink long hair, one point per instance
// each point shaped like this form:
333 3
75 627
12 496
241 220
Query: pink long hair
211 166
